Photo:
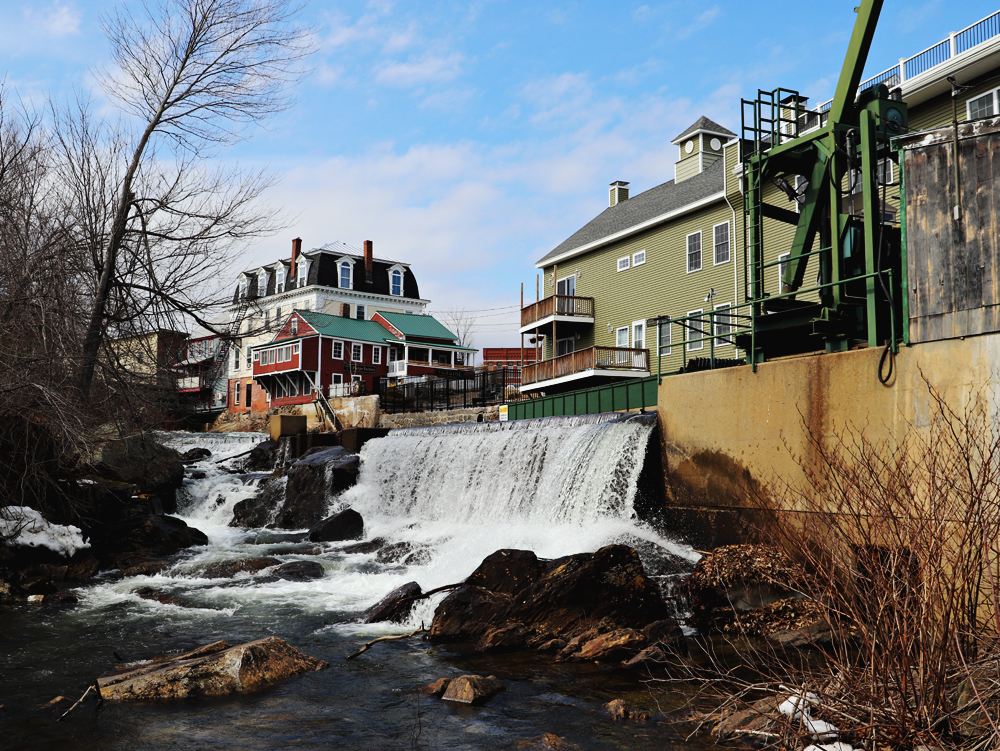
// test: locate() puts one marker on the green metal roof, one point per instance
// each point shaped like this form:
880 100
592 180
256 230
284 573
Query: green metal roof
347 328
434 345
418 325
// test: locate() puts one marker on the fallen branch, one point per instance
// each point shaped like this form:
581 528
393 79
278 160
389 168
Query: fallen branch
386 638
92 687
229 458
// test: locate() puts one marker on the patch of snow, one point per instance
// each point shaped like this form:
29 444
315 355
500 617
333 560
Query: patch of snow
798 707
34 531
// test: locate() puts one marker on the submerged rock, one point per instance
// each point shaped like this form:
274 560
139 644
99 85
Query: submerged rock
472 689
213 670
228 569
347 525
620 712
395 606
297 571
148 593
195 454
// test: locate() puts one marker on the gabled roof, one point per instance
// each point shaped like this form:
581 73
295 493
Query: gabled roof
642 209
706 125
418 325
346 328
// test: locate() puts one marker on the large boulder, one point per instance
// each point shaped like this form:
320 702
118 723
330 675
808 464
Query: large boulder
608 587
262 457
346 525
152 538
213 670
472 689
229 569
261 508
141 461
312 481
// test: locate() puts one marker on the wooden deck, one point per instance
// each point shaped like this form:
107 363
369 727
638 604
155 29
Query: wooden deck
561 305
593 358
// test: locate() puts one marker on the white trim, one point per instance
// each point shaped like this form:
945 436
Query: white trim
635 255
632 230
333 349
729 244
566 279
402 280
626 267
687 252
591 372
781 268
637 345
376 355
361 351
350 263
968 103
694 346
703 130
660 328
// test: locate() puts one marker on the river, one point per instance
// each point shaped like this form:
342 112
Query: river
456 494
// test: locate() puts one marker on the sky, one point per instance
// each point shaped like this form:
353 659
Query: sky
469 138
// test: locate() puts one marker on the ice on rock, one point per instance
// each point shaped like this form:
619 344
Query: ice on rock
26 527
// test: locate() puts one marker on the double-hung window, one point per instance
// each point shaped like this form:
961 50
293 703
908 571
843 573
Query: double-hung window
694 252
721 236
982 106
345 275
338 351
359 312
396 283
303 271
377 355
723 323
279 281
356 353
664 336
782 265
695 331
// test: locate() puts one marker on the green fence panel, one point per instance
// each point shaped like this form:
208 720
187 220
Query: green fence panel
613 397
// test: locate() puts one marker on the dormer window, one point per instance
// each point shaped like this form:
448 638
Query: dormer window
243 286
397 283
279 282
345 275
262 283
303 272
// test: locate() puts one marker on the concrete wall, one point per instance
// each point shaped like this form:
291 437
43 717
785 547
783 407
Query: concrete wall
446 417
724 430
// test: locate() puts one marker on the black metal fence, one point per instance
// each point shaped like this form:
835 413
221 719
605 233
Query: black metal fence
481 388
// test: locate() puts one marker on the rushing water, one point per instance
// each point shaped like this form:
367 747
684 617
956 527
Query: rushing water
456 494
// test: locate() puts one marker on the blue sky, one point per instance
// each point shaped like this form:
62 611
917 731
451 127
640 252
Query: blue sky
470 138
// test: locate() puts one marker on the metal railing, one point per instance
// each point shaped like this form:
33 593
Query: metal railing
563 305
469 389
957 43
592 358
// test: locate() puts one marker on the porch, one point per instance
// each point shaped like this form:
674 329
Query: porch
408 360
586 367
557 308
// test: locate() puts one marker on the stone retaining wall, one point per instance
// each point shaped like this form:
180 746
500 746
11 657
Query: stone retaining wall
446 417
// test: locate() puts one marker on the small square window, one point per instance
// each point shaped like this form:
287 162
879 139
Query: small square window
295 349
638 258
256 356
623 263
981 107
356 353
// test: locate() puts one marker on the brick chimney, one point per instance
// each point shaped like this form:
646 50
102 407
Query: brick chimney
345 310
296 250
368 261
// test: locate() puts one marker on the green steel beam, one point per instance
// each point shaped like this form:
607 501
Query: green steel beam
855 59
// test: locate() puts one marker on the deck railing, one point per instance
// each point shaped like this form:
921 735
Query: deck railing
592 358
563 305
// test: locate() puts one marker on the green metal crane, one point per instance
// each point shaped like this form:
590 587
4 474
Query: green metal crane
807 155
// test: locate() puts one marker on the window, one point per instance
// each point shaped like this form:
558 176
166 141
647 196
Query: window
295 348
236 358
248 358
377 355
695 330
294 328
638 334
243 292
293 386
357 353
249 402
694 252
277 316
621 337
307 384
638 258
664 337
279 281
279 389
782 265
267 320
345 275
262 283
723 323
623 263
396 282
884 173
338 351
359 312
303 270
721 232
566 287
236 394
983 106
564 346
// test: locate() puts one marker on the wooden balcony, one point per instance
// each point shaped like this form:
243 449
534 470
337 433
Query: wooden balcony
558 308
592 359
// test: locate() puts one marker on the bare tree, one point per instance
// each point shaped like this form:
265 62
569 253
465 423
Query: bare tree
154 221
461 323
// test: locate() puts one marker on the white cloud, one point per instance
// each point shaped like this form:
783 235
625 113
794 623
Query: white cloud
702 21
416 72
57 20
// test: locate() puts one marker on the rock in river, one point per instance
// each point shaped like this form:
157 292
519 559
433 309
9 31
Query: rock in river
395 606
298 571
213 670
472 689
347 525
